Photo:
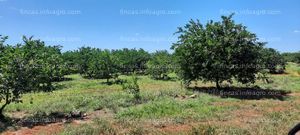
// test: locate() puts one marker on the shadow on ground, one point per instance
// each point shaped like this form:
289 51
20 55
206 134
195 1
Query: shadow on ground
63 79
39 119
254 93
7 123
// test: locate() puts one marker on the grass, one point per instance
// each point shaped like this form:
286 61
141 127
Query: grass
78 94
87 95
97 127
165 104
167 107
289 81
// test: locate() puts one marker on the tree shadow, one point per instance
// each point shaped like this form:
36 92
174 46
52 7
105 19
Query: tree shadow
169 79
38 119
7 123
118 81
253 93
67 79
63 79
279 73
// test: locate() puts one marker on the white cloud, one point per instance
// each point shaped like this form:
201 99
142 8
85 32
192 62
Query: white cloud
296 31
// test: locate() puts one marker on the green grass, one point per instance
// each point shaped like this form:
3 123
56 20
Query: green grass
87 95
289 81
283 82
161 100
167 107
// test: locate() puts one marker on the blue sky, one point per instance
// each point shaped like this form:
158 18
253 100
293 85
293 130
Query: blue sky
144 24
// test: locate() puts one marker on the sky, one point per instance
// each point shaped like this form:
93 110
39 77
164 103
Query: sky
147 24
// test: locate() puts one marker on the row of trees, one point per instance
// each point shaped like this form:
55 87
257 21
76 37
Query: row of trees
31 66
292 57
216 52
105 64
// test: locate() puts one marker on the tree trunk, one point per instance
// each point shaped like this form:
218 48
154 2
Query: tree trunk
7 101
218 85
2 117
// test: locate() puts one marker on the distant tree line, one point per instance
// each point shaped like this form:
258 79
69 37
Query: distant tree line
106 64
292 57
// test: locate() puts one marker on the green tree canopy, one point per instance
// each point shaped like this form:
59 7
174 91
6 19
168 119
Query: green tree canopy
31 66
292 57
274 61
96 63
217 52
131 60
159 65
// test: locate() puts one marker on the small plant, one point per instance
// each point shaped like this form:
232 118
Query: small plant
264 76
132 87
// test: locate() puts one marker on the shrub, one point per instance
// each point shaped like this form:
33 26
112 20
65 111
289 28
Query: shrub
132 87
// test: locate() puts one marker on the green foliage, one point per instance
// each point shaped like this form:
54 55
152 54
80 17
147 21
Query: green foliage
96 63
13 75
71 59
273 60
32 66
102 65
85 54
217 52
292 57
105 64
132 87
168 107
159 65
131 60
167 103
45 62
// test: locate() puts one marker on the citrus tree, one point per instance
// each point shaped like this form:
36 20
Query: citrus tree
159 65
217 52
27 67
